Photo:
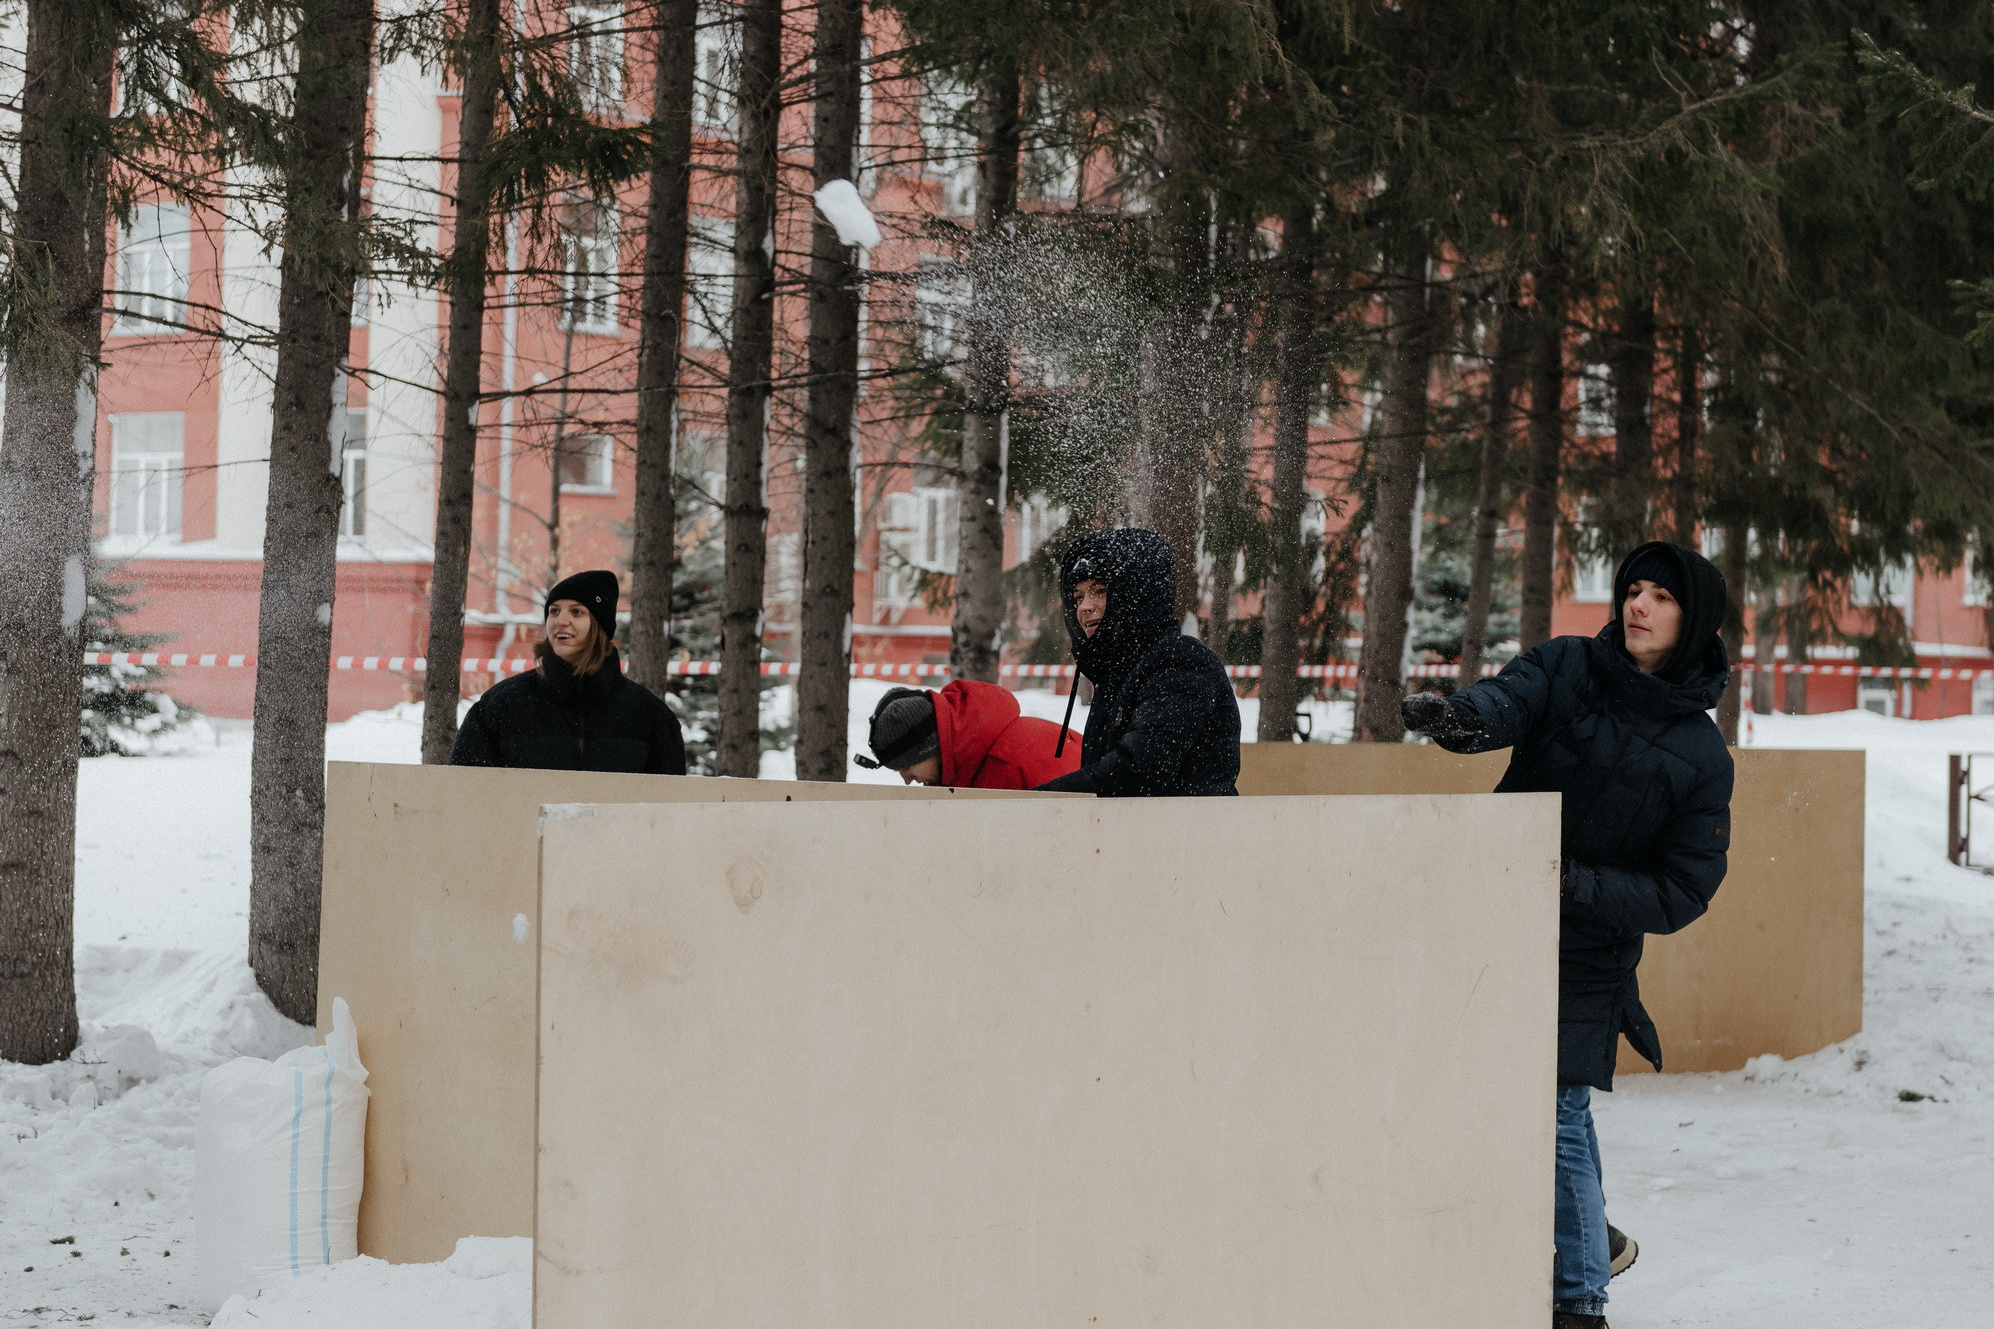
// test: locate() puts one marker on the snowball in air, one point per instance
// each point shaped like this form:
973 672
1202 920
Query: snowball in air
841 205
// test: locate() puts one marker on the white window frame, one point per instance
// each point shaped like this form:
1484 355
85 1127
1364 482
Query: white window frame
1877 696
937 528
597 455
1983 694
1973 588
948 149
1595 402
148 465
1592 580
353 476
591 273
939 302
595 56
1039 519
716 46
1895 585
709 286
154 253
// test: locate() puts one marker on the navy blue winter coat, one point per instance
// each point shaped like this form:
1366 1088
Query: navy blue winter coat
1646 780
1164 719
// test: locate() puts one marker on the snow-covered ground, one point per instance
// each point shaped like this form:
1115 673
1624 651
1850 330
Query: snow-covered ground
1845 1188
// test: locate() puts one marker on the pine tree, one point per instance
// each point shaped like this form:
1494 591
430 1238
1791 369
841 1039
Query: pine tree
124 714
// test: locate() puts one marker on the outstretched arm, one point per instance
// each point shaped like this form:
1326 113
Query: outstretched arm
1500 712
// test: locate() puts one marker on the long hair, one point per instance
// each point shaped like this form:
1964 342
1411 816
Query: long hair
597 649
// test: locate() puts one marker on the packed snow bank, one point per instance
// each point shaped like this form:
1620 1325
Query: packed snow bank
486 1284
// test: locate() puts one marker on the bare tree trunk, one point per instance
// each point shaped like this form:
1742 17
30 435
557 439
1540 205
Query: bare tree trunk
738 752
47 461
1547 443
1632 366
1737 545
1689 427
1388 584
974 648
462 375
823 692
1507 336
1765 640
1296 382
654 516
323 171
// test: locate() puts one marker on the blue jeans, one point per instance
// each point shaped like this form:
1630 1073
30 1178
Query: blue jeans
1579 1274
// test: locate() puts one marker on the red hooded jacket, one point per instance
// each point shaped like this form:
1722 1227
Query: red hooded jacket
987 744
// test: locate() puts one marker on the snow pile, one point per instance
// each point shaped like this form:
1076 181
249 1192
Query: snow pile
841 205
486 1284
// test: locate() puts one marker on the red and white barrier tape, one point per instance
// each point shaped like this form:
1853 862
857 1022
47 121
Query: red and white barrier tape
397 664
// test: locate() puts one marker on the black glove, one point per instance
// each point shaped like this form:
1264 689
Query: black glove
1439 717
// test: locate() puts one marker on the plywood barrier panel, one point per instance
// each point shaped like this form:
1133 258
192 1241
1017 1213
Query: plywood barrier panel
1126 1062
431 887
1775 966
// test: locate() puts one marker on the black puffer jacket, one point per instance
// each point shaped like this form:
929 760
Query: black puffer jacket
1164 718
1646 781
551 720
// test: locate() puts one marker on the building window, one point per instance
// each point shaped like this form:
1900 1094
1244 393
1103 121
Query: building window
932 540
939 302
716 66
152 270
595 56
353 477
1890 586
1973 580
148 455
1592 581
1983 694
589 282
709 283
588 464
948 146
1595 403
1039 519
1877 697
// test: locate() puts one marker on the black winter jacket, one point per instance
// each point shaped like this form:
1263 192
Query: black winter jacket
551 720
1164 718
1646 781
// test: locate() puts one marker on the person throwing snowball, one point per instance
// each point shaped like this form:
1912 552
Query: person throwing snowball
1164 719
575 711
1617 724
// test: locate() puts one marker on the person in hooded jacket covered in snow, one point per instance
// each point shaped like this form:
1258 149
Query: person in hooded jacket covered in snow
575 711
1617 724
1164 719
969 735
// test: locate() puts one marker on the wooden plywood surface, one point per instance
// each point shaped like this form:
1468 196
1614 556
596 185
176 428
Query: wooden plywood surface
431 890
1775 966
1202 1063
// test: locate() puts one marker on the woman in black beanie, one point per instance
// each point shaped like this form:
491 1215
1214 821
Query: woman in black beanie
1617 724
575 711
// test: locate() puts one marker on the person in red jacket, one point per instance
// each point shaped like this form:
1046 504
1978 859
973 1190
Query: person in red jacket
968 735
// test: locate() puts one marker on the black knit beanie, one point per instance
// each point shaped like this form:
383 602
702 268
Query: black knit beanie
903 729
595 591
1654 564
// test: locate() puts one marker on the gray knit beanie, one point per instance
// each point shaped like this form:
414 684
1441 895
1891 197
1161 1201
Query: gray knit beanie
903 730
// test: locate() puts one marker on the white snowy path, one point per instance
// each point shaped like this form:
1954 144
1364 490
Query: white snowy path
1787 1196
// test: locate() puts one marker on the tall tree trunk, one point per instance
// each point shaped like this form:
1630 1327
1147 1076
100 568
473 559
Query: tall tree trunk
1737 545
1507 335
1389 571
47 461
1297 379
974 649
746 511
661 309
1765 640
1689 428
1632 367
465 282
1547 443
322 175
823 692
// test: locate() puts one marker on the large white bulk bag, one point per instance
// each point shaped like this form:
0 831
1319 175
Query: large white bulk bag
278 1158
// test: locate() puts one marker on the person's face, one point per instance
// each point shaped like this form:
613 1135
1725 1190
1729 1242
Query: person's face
1651 620
926 771
1090 605
568 628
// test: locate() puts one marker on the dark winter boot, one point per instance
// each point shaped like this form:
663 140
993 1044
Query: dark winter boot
1573 1320
1623 1249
